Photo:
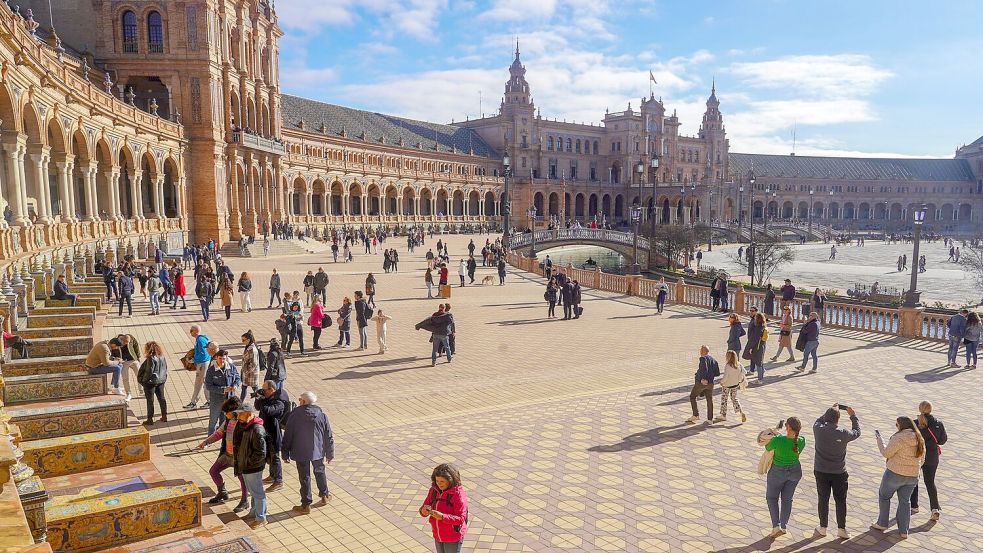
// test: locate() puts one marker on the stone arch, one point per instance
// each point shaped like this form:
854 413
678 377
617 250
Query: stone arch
578 205
105 162
664 219
965 212
441 209
834 210
337 198
592 205
172 179
772 209
391 201
355 199
235 109
319 207
606 205
8 109
489 204
948 213
537 201
787 210
409 201
426 201
148 182
817 210
374 207
474 203
457 203
266 123
897 212
554 205
619 206
849 211
802 210
298 195
880 211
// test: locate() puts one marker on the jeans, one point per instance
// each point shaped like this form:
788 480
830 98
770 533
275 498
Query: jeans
154 302
128 299
242 392
215 415
429 290
551 310
781 483
115 370
304 474
660 301
567 310
702 390
274 462
275 295
254 483
150 392
438 341
971 352
363 337
953 349
345 337
448 546
204 308
810 349
111 290
216 473
928 475
838 484
903 486
757 360
462 280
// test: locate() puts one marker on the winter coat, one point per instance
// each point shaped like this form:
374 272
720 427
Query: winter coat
316 318
900 453
250 366
345 317
452 503
370 286
217 379
934 435
275 282
153 371
276 369
225 292
361 306
320 281
179 288
245 285
308 435
249 447
734 337
271 409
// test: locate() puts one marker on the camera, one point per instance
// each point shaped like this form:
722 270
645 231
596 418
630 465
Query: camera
254 395
844 407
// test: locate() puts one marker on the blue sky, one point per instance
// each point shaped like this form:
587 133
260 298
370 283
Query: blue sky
853 78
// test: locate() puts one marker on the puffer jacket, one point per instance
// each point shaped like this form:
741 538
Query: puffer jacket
249 447
900 453
452 503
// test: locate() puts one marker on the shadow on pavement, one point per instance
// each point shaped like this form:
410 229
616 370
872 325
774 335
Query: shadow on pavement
651 437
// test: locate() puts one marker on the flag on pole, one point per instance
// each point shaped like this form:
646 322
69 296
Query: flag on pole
652 77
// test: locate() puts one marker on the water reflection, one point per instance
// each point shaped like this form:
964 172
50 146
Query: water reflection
607 260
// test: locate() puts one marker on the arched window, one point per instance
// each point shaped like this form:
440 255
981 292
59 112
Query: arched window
549 144
578 145
155 33
569 147
130 45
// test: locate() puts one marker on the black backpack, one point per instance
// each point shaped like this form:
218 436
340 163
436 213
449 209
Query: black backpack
262 359
291 405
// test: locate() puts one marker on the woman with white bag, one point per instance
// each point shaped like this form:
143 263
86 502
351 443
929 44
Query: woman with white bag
784 473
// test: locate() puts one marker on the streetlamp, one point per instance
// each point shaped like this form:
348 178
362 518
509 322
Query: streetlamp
531 212
636 217
810 212
751 252
655 198
640 169
911 300
506 202
740 211
710 220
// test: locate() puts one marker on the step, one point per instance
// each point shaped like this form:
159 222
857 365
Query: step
54 332
38 319
213 536
86 452
95 510
68 417
51 386
60 346
82 301
43 365
78 310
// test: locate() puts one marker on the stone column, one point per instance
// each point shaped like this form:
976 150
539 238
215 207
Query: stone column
65 169
40 165
158 196
22 184
112 178
14 186
136 194
91 206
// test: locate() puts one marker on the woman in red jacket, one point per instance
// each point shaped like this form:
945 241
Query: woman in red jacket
447 507
179 289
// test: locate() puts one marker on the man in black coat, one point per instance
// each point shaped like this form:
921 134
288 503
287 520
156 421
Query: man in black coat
567 295
273 405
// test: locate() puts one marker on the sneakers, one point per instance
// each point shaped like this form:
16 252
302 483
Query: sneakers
257 523
821 531
274 487
721 418
118 392
903 536
876 526
190 406
778 531
842 534
953 365
693 420
936 514
323 501
303 509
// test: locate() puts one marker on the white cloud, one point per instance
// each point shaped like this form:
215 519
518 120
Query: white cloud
520 10
309 16
818 75
306 79
416 18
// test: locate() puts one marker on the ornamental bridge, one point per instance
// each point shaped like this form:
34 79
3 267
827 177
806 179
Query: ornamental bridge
621 242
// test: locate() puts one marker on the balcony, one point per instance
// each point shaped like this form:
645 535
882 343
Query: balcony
257 142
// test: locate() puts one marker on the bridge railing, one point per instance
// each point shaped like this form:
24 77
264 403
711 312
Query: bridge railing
862 317
575 234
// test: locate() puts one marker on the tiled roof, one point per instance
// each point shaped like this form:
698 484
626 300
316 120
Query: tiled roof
978 142
378 128
851 168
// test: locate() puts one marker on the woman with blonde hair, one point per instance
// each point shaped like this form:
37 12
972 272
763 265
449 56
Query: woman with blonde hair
933 432
225 293
734 379
785 335
245 287
904 453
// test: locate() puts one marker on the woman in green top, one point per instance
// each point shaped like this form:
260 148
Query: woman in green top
784 474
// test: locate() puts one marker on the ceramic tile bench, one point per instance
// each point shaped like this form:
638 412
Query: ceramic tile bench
50 386
86 452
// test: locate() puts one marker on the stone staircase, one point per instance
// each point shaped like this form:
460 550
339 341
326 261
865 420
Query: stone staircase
82 478
277 248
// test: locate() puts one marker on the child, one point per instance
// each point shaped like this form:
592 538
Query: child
380 329
447 508
226 456
282 327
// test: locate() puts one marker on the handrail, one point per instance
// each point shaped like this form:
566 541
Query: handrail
578 234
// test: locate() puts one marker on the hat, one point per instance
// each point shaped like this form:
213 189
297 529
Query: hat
245 409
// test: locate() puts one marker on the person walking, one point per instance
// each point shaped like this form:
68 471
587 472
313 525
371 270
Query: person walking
276 367
321 281
661 294
249 371
735 332
370 289
362 314
830 465
784 474
275 289
153 289
295 326
381 321
769 301
501 272
446 507
785 334
462 271
245 289
933 433
225 293
316 321
152 376
904 453
550 296
734 379
757 342
226 456
345 323
250 461
472 267
201 358
221 382
957 332
125 292
180 289
971 339
707 371
204 290
309 442
273 406
809 340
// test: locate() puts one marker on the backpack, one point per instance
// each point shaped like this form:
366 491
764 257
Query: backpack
286 413
368 312
262 359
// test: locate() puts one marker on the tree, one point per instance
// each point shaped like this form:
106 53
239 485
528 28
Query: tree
769 255
971 259
674 241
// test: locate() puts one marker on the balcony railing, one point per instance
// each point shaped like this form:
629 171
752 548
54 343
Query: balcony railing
258 142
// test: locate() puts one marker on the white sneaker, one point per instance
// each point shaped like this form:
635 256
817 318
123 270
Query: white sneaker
720 419
119 392
693 420
820 531
936 514
876 526
842 534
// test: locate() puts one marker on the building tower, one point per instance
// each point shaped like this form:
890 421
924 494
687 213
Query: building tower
712 132
517 114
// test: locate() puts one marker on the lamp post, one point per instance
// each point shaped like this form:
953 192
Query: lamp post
740 211
636 217
655 198
640 169
911 300
810 212
751 252
531 212
506 203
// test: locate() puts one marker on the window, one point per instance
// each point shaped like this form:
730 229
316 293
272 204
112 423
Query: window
155 33
595 147
569 145
549 144
130 32
578 145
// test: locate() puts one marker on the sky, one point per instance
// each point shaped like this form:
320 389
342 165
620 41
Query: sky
844 78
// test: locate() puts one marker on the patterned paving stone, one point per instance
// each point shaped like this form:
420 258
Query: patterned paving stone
569 435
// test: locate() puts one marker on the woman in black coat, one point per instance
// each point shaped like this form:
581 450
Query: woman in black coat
933 431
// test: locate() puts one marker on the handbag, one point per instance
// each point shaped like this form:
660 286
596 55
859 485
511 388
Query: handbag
326 321
929 428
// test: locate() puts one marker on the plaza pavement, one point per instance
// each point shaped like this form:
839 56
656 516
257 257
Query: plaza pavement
569 434
876 261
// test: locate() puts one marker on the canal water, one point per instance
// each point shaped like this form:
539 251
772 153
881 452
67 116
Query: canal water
608 261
